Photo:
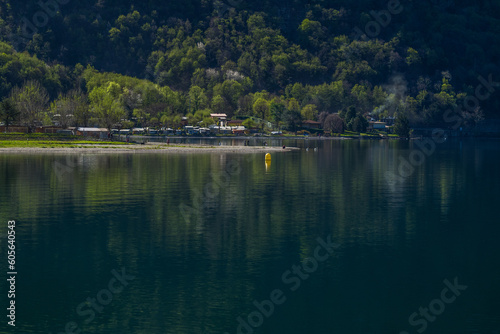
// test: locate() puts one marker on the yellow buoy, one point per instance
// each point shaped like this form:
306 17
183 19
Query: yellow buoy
268 165
268 157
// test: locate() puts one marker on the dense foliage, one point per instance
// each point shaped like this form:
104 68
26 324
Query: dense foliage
282 61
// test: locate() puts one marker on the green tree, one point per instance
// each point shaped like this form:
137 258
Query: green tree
201 116
8 113
361 95
310 32
197 99
106 106
293 105
230 91
297 91
255 22
218 104
249 123
166 120
47 119
402 126
412 58
359 124
142 116
127 125
446 97
261 108
348 116
174 100
207 121
114 90
293 120
379 96
277 108
310 112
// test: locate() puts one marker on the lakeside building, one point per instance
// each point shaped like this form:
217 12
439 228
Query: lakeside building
377 125
220 119
101 133
235 122
227 130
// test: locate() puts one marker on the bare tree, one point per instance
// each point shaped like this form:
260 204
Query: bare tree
322 118
62 111
473 117
334 123
31 101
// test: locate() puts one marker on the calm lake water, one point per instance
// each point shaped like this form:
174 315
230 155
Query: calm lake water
199 243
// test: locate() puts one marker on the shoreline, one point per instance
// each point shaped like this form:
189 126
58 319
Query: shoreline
149 148
237 137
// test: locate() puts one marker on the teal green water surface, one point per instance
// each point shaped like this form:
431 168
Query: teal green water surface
355 237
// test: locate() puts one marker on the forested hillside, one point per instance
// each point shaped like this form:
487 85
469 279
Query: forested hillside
279 60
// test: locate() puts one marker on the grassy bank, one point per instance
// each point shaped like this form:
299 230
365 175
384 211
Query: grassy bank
46 140
56 144
38 136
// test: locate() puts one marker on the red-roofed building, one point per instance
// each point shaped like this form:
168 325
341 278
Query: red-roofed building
311 124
